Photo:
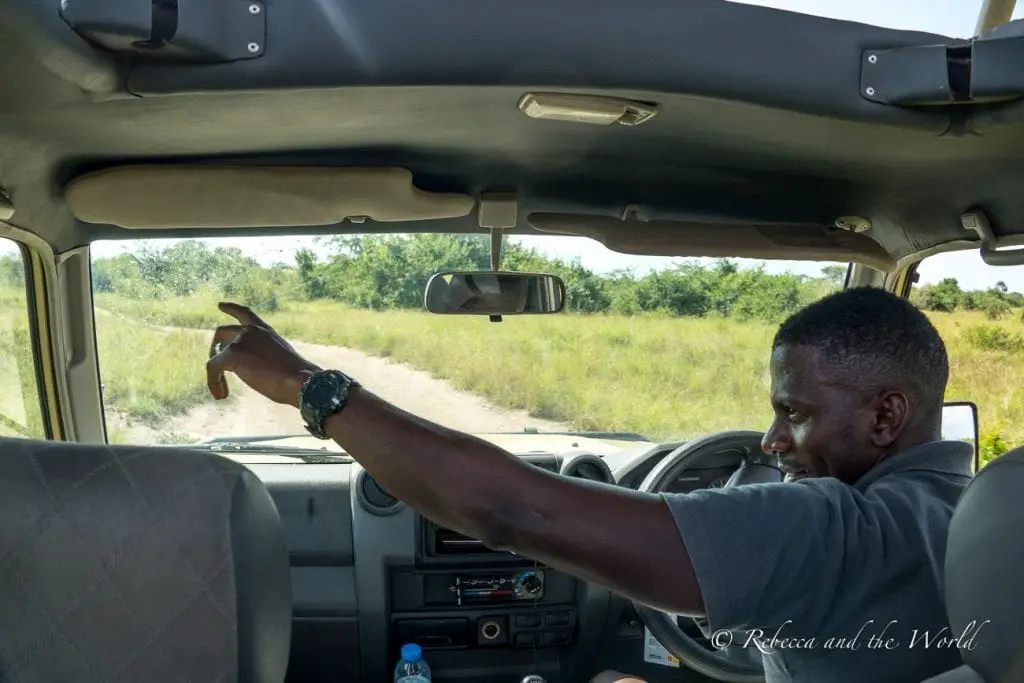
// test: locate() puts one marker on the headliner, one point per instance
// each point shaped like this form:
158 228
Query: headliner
760 115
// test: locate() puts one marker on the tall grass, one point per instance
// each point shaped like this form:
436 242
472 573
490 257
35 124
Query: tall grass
150 374
20 413
989 375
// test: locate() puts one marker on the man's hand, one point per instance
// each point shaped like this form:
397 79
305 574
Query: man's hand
258 355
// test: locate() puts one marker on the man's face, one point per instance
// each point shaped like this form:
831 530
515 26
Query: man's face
824 426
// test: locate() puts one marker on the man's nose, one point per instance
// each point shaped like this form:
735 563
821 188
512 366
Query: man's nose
775 440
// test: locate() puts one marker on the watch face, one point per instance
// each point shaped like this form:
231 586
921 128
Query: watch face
324 394
322 389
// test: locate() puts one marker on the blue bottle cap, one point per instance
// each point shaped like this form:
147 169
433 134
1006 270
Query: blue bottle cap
411 652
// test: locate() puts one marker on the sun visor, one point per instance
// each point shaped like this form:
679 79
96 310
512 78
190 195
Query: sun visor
722 240
154 197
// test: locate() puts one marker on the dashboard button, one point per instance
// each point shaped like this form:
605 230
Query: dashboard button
556 637
526 639
557 619
527 620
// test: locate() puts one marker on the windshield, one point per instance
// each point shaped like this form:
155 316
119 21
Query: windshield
667 348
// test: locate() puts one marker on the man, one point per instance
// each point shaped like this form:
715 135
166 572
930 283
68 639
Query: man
852 547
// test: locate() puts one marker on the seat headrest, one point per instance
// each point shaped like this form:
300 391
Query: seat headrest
138 563
984 556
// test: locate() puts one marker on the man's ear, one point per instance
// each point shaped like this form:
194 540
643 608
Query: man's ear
891 412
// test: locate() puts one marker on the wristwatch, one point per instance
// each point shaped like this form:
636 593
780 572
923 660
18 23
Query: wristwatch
323 394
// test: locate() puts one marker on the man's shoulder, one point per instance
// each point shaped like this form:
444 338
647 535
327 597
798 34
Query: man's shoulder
746 513
896 502
902 498
930 461
919 493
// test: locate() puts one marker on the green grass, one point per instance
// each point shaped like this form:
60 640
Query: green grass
991 377
148 373
664 377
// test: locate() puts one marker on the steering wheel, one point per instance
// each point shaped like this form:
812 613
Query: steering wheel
733 664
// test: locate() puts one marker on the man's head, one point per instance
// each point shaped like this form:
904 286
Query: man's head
856 376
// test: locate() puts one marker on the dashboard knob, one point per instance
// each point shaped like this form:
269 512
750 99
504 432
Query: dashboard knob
531 585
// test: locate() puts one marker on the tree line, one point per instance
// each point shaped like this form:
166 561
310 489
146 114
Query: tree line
391 271
947 296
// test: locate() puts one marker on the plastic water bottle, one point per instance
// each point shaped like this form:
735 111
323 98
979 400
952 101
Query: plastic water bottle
412 668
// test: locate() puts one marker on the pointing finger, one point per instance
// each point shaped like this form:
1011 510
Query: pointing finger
220 347
242 314
215 379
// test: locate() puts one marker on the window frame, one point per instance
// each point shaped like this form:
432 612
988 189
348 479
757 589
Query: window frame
39 336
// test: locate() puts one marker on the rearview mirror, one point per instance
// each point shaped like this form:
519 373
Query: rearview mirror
960 423
494 293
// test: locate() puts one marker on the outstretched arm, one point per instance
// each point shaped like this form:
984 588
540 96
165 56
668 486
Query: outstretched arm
621 539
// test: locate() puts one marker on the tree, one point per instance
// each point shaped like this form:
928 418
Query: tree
835 275
12 271
945 296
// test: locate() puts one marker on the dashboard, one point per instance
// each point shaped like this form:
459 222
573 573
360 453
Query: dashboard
369 574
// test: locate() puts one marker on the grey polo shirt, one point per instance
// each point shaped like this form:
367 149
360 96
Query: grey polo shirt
832 582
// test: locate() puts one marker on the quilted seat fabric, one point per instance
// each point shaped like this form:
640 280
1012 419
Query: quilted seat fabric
138 564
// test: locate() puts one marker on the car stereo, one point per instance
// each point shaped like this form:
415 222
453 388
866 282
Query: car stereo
493 588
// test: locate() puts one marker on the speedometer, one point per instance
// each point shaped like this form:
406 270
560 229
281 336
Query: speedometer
718 483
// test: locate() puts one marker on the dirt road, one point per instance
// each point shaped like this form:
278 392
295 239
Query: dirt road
248 413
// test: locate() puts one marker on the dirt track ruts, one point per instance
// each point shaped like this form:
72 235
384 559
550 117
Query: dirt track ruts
416 391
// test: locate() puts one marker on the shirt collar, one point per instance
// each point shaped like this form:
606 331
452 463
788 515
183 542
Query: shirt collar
942 457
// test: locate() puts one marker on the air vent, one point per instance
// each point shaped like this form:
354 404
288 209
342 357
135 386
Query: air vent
587 466
374 498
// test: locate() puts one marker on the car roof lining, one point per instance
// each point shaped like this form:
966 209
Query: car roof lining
759 122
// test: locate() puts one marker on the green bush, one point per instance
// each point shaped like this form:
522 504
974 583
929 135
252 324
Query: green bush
993 338
996 308
991 447
255 290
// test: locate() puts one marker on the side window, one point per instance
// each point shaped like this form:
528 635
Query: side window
979 311
20 405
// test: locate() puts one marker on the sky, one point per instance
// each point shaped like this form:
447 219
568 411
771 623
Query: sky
954 18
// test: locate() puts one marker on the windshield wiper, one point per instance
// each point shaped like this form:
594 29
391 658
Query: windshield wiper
262 445
257 439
